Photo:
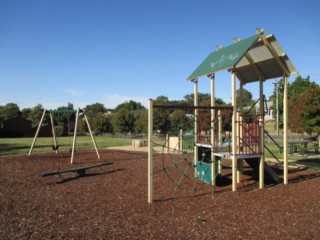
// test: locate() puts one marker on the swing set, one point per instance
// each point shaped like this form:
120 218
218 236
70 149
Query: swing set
55 145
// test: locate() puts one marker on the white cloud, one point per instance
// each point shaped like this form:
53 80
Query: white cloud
112 100
73 92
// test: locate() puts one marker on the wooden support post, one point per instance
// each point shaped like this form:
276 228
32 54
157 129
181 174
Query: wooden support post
37 132
213 113
219 139
180 140
168 143
74 136
239 144
53 133
196 113
285 134
234 134
91 134
150 152
261 122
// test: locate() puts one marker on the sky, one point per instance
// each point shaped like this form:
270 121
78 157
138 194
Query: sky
55 52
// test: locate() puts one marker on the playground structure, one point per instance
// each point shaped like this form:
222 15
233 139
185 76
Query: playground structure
55 145
255 59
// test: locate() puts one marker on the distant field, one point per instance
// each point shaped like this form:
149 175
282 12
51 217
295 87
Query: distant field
10 146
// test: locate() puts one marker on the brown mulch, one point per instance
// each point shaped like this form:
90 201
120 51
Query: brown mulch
111 202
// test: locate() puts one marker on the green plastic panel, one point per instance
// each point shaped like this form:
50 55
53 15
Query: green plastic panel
224 58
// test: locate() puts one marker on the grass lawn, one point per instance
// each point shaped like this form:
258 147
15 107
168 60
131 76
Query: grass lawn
9 146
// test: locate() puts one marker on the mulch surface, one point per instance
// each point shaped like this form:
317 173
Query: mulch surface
111 202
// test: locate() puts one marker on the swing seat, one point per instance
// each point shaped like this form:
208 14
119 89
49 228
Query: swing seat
55 148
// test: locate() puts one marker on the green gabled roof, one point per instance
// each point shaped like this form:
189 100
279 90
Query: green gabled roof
225 58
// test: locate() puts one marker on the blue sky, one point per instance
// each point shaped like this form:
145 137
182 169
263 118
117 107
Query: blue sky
58 51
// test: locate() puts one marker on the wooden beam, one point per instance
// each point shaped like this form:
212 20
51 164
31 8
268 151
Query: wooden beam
150 152
74 136
234 134
213 113
255 67
37 132
275 55
285 128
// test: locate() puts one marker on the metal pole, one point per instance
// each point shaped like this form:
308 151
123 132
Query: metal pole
37 132
150 152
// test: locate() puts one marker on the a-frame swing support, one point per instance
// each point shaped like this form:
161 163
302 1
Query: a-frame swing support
74 136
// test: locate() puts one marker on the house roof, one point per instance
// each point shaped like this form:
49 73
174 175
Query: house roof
254 58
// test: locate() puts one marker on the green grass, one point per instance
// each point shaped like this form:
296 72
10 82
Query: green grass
10 146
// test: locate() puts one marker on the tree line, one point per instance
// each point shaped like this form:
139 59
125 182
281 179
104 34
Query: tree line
132 117
303 105
127 117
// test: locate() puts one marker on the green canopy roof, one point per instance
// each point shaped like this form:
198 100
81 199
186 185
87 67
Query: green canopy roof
254 58
224 58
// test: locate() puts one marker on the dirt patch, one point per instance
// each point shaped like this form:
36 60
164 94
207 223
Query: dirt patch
111 202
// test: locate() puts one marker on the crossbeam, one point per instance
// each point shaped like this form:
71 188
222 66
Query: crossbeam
192 107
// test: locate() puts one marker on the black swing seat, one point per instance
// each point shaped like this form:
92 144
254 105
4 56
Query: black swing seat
80 171
54 148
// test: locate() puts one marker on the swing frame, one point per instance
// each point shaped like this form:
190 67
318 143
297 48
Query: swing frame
55 146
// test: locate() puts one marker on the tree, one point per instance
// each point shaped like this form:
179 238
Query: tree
180 120
101 124
304 111
141 124
93 109
298 86
247 101
311 109
25 113
161 120
36 114
10 110
130 106
123 121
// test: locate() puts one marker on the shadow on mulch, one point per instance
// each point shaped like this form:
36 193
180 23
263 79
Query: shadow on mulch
312 162
87 175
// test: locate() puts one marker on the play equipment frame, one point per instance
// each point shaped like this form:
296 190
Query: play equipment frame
78 111
255 59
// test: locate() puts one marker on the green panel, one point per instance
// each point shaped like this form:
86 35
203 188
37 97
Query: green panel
203 172
224 58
